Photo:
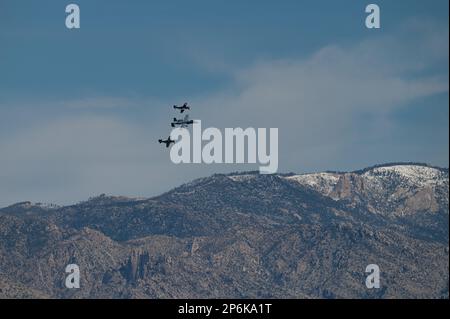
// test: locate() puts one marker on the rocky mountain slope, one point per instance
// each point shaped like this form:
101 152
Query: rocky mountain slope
240 235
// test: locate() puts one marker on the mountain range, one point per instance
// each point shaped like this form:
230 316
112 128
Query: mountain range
240 235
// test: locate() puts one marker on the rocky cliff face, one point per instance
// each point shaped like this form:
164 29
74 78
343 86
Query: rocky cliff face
240 235
394 189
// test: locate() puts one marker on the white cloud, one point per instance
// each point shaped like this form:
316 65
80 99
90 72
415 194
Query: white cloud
318 102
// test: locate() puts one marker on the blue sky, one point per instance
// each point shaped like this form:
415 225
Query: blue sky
80 109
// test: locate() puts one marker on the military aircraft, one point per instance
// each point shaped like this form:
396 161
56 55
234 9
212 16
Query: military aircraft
182 122
182 108
167 142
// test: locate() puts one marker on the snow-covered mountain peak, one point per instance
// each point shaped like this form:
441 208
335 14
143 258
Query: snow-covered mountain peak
406 187
414 175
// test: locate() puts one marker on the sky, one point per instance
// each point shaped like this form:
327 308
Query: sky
81 110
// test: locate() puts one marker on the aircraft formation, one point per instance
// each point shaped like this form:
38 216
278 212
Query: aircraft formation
182 122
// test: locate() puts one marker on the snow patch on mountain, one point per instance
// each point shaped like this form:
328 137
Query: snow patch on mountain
242 178
412 175
322 182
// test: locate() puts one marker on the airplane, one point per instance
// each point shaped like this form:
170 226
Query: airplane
167 142
182 122
182 108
